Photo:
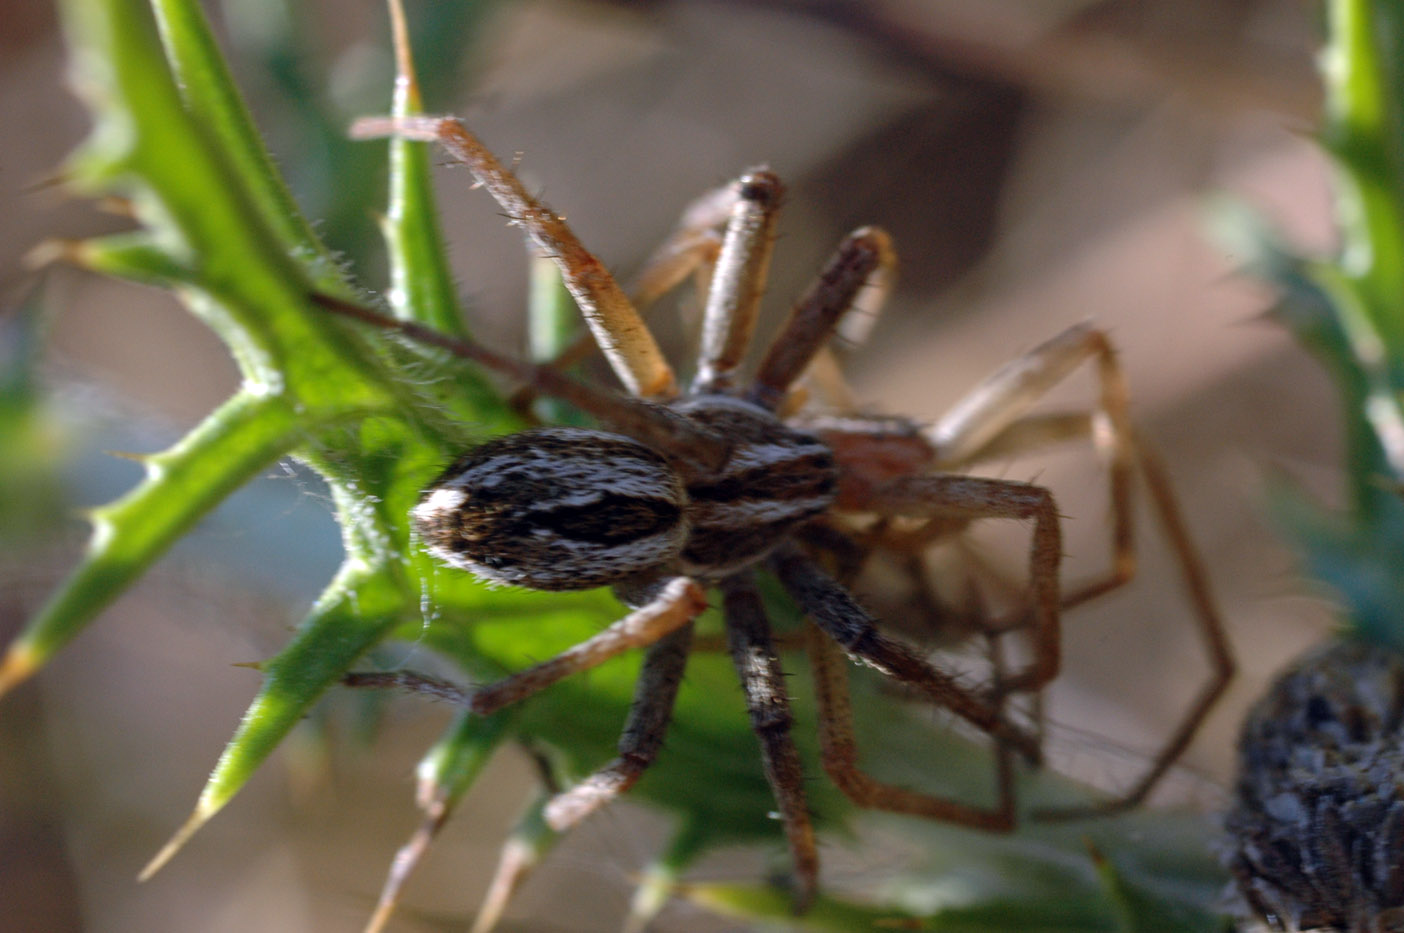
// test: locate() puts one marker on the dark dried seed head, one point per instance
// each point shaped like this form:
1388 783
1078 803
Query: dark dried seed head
1317 823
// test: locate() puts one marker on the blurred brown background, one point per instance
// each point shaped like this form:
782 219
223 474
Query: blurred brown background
1036 162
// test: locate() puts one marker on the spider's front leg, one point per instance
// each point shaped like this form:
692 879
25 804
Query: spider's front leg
677 604
619 330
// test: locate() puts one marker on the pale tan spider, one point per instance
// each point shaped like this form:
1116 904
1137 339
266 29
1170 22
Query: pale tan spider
683 492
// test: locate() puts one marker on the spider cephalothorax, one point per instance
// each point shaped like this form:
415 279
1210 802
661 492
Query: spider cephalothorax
679 493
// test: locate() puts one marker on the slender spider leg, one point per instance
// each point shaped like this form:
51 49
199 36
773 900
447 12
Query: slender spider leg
619 330
644 730
692 249
941 495
831 608
838 749
1211 632
823 379
738 281
697 450
862 254
986 422
753 652
677 603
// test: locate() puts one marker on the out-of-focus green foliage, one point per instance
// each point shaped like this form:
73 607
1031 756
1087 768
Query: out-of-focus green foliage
1348 309
35 440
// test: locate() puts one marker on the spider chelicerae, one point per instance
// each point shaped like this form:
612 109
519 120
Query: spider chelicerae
681 492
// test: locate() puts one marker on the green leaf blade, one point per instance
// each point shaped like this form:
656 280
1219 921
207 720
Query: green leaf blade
183 484
212 99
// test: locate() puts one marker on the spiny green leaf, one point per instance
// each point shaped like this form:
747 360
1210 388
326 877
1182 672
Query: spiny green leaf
211 98
421 283
232 445
1364 130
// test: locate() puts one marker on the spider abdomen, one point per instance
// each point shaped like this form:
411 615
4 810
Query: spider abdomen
555 509
775 479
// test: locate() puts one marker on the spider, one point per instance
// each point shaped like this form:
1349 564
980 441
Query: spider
680 492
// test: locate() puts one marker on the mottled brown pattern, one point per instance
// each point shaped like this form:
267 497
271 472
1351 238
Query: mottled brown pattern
556 509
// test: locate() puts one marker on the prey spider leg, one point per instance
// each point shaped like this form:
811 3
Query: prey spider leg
991 422
1211 632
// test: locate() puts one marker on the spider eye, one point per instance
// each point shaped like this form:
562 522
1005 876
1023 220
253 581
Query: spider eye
555 509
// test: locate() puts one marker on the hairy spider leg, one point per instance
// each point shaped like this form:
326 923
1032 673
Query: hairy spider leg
690 250
694 450
676 604
757 663
830 607
860 256
619 330
838 750
991 422
733 299
644 731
